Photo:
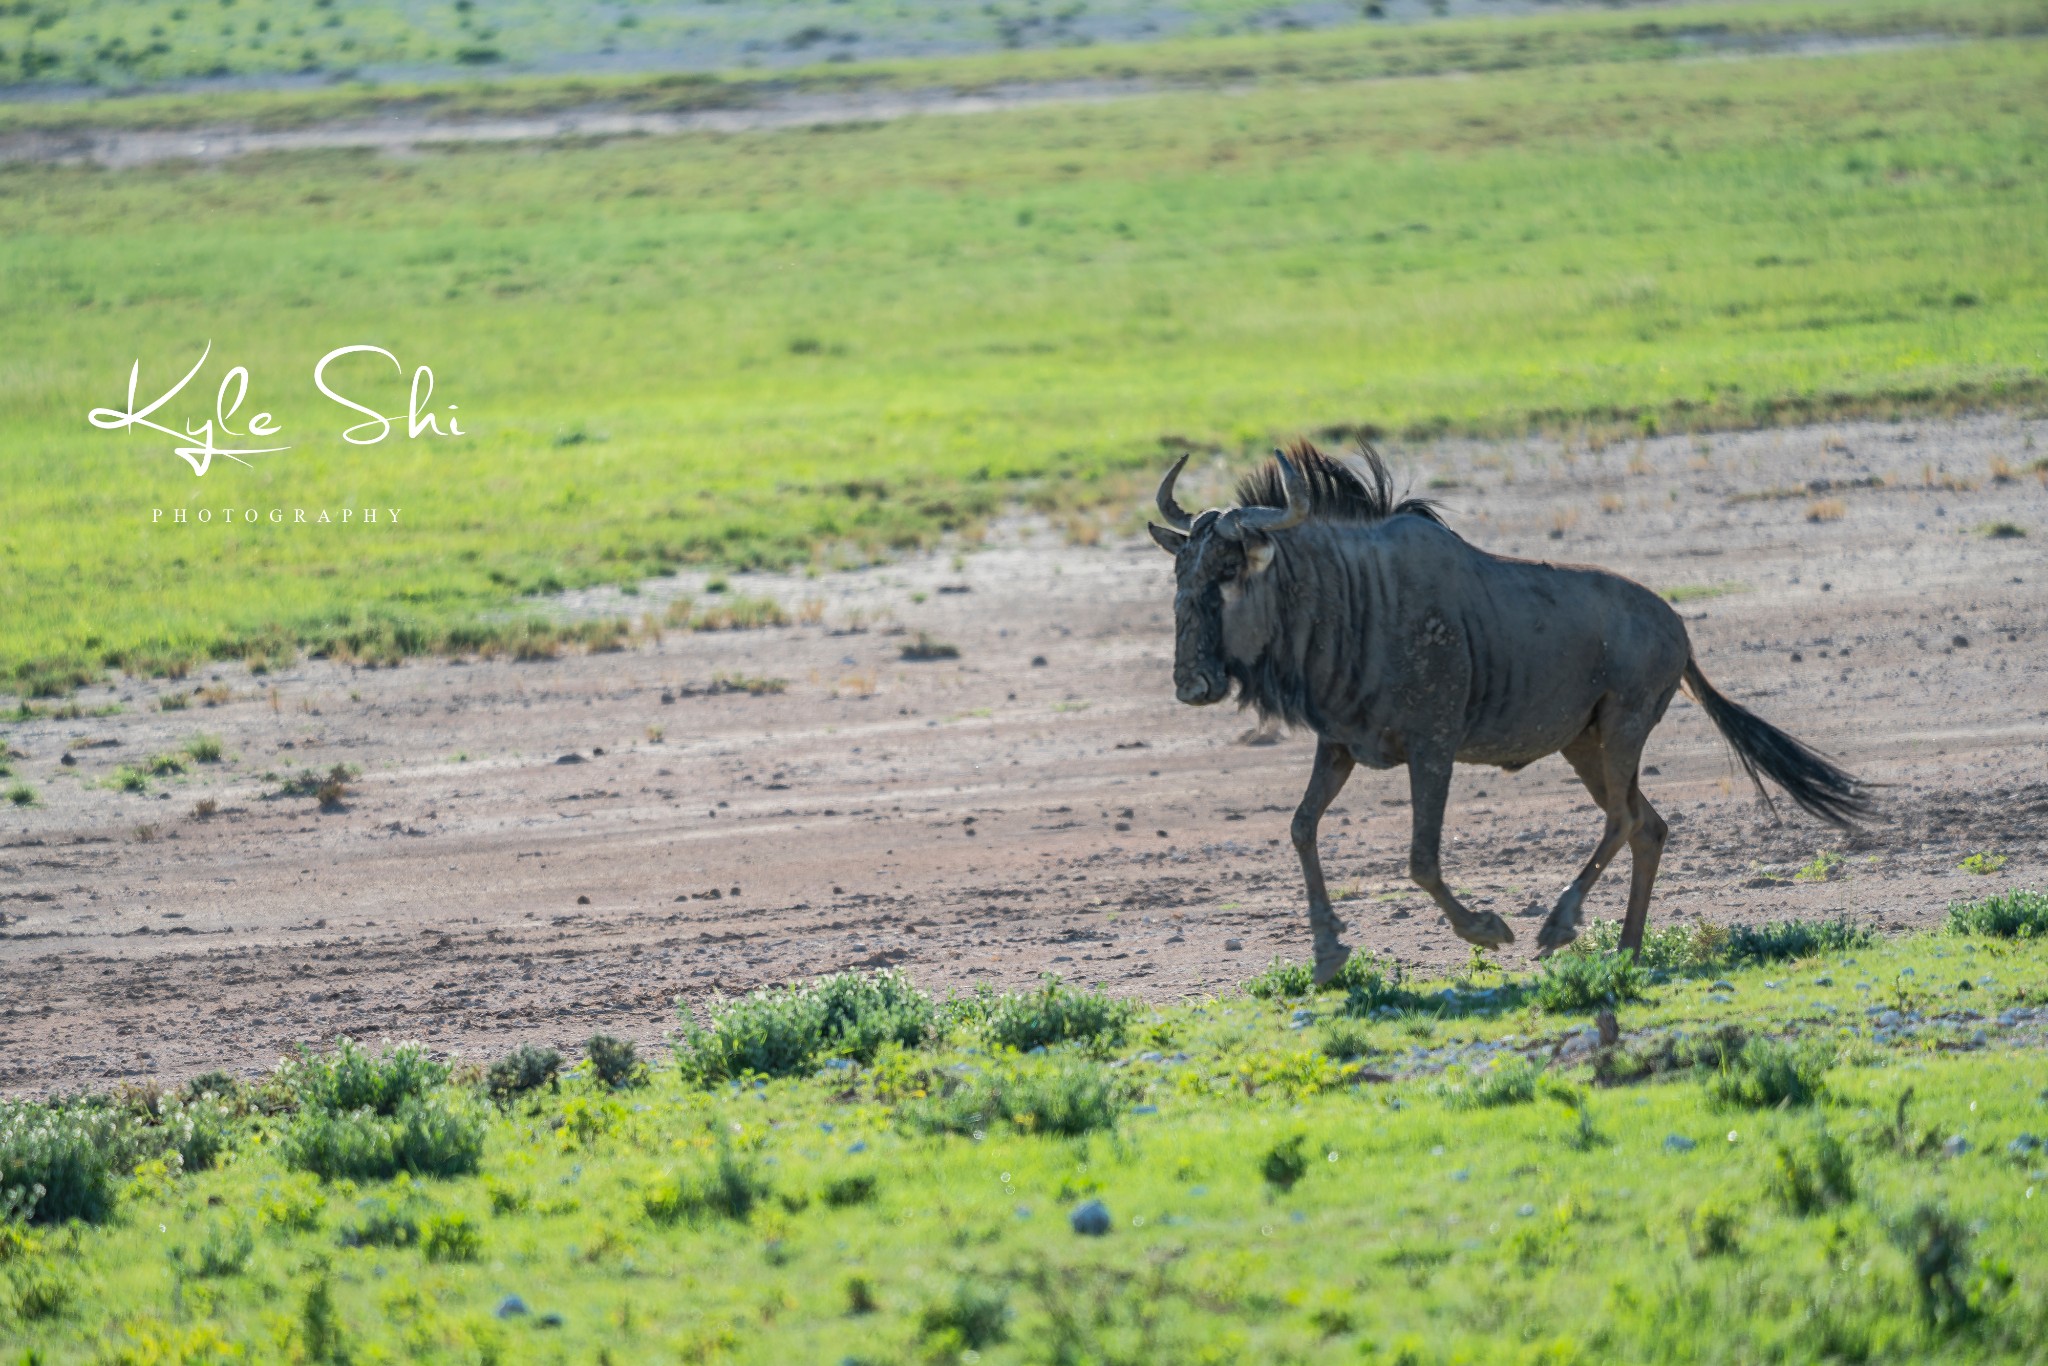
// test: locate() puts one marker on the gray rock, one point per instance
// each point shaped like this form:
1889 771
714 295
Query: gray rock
1679 1143
1955 1147
1090 1219
511 1307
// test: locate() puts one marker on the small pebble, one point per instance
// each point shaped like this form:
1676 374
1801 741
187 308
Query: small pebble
1090 1219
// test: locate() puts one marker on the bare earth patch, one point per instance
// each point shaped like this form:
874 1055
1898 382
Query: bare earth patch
983 819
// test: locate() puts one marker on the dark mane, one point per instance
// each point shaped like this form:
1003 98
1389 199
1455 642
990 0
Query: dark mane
1337 492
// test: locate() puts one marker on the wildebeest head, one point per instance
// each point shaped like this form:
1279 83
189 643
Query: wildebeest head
1216 556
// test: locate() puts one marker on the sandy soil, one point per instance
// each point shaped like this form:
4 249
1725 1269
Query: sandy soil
538 851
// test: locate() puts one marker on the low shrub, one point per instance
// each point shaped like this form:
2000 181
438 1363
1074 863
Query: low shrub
1056 1013
224 1249
779 1031
864 1012
383 1223
349 1079
1572 982
41 1291
1806 1180
1766 1074
974 1316
293 1204
58 1164
1714 1229
1281 980
1077 1097
1671 948
1343 1038
1509 1081
428 1136
225 1087
201 1130
1286 981
1938 1245
1785 939
2016 914
615 1062
1285 1163
451 1236
1373 987
728 1188
857 1188
526 1068
968 1012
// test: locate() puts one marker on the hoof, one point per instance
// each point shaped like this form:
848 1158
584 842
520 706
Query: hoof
1485 929
1554 935
1330 962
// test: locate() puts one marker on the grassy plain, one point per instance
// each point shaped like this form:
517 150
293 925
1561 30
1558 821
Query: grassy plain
825 344
1357 51
129 45
1817 1153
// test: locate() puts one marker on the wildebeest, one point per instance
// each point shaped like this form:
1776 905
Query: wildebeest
1367 620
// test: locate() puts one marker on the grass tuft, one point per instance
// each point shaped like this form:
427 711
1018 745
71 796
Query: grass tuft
1578 982
1055 1014
2020 913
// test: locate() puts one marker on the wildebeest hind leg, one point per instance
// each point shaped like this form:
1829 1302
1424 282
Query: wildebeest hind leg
1607 766
1429 787
1333 767
1645 848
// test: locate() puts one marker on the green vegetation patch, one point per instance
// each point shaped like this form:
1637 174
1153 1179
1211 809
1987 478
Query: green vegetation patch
1017 307
1487 1178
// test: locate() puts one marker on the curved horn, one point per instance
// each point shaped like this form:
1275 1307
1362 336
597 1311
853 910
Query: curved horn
1176 516
1276 519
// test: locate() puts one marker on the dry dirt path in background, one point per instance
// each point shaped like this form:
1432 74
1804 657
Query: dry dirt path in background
522 859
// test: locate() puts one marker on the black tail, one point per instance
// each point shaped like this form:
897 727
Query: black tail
1816 785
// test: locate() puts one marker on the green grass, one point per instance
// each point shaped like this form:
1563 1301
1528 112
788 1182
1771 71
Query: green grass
2019 913
1265 1202
805 345
121 45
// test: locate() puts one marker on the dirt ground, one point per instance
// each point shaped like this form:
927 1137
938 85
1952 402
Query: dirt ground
540 851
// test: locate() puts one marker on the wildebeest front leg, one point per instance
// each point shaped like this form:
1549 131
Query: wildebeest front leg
1429 787
1333 767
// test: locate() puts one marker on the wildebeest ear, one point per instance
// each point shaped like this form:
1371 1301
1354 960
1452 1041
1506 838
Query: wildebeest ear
1258 556
1169 540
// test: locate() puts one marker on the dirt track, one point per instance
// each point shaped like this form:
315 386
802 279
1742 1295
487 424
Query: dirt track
987 819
